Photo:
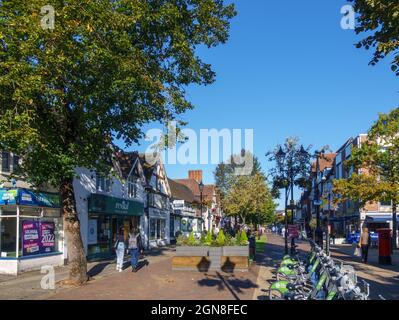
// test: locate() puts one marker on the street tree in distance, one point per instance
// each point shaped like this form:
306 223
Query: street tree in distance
376 168
104 70
250 199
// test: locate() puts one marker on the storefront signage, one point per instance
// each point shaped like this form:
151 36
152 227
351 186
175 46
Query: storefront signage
114 206
38 199
38 237
8 196
25 197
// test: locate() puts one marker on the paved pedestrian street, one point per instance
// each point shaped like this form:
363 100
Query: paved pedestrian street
157 281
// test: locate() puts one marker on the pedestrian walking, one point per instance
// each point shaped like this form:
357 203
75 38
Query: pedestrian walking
119 247
134 248
140 244
365 241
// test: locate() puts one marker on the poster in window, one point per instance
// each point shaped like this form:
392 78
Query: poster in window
47 236
30 238
92 237
38 237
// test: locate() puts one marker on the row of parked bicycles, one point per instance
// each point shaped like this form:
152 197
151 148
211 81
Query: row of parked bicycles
316 277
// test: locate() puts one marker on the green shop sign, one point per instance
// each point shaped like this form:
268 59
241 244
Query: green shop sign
99 203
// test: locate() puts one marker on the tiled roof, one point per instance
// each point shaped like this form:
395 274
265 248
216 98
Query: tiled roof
181 191
194 187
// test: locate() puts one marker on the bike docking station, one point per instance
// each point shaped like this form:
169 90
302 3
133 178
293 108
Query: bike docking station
316 277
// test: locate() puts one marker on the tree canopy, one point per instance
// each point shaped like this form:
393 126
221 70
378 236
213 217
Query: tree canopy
379 20
376 166
250 198
104 70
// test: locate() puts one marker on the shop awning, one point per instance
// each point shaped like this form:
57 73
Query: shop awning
344 218
26 197
102 204
379 218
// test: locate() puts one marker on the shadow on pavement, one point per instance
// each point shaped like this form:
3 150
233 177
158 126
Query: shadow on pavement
227 282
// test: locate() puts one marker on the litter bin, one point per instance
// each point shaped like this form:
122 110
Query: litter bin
384 246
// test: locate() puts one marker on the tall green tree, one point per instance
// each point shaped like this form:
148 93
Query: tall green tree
103 71
225 173
250 199
379 20
376 167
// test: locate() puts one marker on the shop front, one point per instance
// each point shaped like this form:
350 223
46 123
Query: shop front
159 227
106 216
31 230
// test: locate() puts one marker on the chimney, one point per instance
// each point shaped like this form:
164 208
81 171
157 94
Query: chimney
196 175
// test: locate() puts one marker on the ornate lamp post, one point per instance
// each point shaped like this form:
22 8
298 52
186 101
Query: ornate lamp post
280 155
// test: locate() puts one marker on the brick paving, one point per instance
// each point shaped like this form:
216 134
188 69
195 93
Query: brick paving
157 281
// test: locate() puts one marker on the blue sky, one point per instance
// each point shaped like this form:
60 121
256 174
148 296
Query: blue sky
289 70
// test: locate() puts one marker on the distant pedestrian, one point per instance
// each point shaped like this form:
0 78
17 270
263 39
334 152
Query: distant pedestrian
119 247
365 241
134 248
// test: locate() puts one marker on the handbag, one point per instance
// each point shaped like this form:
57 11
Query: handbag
358 252
116 244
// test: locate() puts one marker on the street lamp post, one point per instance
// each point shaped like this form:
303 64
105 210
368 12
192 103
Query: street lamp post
319 231
328 223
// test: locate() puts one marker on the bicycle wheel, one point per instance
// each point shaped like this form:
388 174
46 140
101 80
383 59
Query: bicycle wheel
276 295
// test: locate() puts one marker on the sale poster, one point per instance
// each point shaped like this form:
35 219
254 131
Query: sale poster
47 236
38 237
30 238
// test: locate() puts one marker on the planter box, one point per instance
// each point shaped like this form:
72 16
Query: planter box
204 259
236 251
215 258
235 259
192 251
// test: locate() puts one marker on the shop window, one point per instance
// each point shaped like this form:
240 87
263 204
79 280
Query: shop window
8 238
36 236
99 235
153 234
157 229
5 161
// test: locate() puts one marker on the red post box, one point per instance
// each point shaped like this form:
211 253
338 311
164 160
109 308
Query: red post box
384 246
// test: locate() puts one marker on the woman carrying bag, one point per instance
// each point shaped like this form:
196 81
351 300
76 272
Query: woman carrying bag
119 247
364 245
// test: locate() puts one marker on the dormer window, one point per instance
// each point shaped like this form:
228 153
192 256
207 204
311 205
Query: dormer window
5 161
103 184
132 187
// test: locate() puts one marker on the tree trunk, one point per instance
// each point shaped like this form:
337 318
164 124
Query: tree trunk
76 256
395 225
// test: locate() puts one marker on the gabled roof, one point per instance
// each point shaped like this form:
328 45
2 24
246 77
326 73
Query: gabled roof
181 192
208 192
126 162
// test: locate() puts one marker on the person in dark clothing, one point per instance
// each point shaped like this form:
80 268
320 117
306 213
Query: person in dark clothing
252 247
365 241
